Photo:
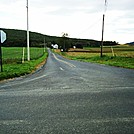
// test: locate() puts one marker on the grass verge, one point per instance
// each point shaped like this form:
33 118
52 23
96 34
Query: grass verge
17 70
118 61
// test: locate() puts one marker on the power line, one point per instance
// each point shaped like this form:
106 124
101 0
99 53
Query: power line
103 21
91 26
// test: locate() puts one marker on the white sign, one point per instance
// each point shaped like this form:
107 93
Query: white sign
2 36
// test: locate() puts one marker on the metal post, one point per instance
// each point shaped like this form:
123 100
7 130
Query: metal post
1 57
28 50
102 36
64 45
112 51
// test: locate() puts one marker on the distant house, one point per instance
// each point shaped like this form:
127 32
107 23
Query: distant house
74 47
55 46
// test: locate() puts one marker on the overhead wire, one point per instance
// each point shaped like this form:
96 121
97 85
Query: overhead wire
91 26
97 21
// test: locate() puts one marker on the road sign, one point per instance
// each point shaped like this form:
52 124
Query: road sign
2 39
2 36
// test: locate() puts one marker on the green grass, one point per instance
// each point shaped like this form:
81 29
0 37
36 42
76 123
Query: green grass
14 54
108 60
113 61
16 68
124 56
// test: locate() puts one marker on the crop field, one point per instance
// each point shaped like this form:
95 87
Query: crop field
124 51
15 54
121 56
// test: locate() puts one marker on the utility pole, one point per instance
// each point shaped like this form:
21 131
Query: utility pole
105 8
28 50
102 36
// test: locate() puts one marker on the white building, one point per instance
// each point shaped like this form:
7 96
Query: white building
55 46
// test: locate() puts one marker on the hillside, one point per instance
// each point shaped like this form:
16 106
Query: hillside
131 43
17 38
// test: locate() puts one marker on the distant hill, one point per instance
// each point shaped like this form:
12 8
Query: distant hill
131 43
18 38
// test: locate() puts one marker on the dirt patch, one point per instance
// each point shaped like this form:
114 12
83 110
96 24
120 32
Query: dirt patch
41 64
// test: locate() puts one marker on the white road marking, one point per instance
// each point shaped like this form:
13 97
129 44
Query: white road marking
61 69
125 119
69 64
24 81
13 122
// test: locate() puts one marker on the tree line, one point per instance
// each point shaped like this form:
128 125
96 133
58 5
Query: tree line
18 38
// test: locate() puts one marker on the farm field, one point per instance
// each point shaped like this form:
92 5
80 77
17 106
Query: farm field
120 56
12 61
15 54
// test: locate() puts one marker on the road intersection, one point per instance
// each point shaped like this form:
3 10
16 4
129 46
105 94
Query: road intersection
69 97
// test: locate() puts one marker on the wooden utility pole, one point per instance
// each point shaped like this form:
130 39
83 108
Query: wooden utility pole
102 36
101 54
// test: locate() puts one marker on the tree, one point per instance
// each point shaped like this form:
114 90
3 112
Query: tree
65 43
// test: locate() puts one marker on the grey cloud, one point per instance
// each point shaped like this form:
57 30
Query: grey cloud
69 6
93 5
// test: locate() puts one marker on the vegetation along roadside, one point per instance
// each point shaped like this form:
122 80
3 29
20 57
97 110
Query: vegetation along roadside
119 56
12 61
87 50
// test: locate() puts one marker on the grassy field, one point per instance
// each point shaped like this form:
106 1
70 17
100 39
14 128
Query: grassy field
120 56
15 54
12 61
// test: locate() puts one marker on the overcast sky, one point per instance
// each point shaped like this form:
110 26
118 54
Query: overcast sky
78 18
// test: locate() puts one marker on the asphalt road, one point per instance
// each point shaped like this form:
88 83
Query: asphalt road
69 97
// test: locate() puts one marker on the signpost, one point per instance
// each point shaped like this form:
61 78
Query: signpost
2 39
